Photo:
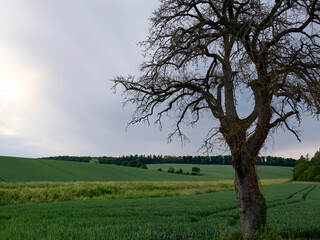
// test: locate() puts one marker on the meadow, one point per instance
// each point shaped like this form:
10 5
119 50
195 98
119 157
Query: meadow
44 192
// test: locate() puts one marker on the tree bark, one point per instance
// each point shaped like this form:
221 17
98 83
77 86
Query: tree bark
251 203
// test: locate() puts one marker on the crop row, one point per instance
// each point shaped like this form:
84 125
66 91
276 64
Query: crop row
202 216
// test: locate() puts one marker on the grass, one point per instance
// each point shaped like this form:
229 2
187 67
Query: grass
43 199
40 170
225 172
17 193
293 212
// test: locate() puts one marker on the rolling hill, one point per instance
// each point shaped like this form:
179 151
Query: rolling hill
226 172
13 169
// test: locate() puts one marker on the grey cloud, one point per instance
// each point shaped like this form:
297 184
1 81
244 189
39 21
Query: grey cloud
80 45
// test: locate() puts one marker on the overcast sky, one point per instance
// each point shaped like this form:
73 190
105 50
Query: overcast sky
56 61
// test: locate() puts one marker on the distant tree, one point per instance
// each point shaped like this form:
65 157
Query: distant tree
301 166
144 166
316 159
274 161
200 56
307 170
134 163
125 163
195 171
139 164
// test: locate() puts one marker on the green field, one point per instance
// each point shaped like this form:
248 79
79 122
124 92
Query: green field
293 211
38 170
49 199
29 170
225 172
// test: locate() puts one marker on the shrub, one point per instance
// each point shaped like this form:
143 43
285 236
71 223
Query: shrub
144 166
171 170
94 160
125 163
317 178
180 171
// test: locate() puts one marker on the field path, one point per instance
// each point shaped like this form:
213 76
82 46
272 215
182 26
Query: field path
305 182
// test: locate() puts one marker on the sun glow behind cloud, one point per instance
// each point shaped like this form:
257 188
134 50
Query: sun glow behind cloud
10 87
15 73
19 78
9 91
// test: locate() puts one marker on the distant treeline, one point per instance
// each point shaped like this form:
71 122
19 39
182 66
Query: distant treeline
306 169
156 159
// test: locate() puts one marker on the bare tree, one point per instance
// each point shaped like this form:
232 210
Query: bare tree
199 54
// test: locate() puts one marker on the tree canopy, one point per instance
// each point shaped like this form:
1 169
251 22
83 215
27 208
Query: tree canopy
307 170
200 55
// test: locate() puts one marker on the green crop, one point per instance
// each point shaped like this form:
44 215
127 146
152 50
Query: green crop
224 172
293 213
40 170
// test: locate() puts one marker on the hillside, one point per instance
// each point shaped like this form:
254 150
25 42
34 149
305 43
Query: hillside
226 172
14 169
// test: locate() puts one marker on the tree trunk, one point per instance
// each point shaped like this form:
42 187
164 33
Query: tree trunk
251 203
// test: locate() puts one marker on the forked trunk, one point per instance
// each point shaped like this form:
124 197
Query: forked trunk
251 203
